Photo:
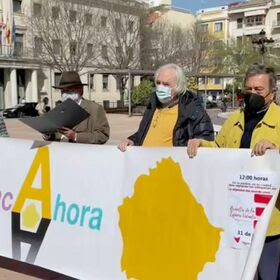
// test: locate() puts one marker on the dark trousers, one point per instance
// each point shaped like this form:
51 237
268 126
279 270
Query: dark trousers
269 264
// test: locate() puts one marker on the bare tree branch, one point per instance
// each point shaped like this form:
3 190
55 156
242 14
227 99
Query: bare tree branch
66 34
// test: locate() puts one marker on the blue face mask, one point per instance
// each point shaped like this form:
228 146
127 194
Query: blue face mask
163 94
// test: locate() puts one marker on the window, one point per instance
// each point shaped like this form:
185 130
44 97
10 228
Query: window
56 47
240 23
73 16
104 53
130 26
204 27
88 19
37 9
217 81
105 82
117 23
91 81
259 20
203 46
239 40
73 48
17 6
103 21
202 81
55 12
218 27
38 45
255 20
218 61
118 51
218 43
19 45
278 19
57 77
204 63
130 53
89 49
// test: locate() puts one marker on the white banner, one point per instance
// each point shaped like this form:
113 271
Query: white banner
92 212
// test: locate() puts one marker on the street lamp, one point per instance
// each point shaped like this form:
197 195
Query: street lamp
260 42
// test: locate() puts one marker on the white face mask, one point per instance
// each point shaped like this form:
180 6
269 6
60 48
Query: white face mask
71 95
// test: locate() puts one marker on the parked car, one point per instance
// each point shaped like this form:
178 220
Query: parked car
27 109
211 104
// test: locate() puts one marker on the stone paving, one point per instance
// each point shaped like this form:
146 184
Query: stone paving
121 127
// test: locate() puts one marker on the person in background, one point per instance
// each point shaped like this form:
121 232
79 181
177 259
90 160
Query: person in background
173 115
43 106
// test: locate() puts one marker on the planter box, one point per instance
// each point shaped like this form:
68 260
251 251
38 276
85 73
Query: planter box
139 110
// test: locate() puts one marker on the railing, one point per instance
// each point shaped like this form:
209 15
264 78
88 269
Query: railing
12 51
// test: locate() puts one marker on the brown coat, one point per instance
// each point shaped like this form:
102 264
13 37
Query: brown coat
93 130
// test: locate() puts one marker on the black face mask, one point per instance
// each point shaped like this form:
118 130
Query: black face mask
254 103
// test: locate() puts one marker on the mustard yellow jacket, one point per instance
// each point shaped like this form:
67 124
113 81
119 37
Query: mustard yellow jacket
268 128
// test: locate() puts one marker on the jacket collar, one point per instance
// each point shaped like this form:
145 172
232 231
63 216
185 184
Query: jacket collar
269 118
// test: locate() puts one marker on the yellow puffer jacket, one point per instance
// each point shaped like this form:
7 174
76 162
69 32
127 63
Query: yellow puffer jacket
268 128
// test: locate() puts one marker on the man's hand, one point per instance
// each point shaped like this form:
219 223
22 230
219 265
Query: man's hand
123 145
261 147
69 133
193 145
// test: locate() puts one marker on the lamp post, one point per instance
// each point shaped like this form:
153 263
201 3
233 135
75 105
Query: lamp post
260 42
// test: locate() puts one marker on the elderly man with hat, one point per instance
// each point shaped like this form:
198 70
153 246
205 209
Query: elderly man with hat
93 130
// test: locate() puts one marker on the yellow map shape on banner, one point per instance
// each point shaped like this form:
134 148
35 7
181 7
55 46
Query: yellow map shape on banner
165 231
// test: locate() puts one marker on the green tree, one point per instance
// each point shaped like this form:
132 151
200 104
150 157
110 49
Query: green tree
192 84
141 94
235 57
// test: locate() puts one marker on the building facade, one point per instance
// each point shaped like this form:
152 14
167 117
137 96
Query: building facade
23 76
248 19
215 22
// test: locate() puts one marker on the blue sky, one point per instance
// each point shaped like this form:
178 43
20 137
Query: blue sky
195 5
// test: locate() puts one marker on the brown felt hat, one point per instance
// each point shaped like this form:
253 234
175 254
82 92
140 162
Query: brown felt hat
68 79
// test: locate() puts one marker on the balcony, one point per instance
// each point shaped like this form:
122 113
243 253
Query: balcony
12 52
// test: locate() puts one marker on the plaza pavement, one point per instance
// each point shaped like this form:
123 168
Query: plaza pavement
121 127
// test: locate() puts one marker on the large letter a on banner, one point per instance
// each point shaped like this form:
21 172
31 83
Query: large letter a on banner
24 213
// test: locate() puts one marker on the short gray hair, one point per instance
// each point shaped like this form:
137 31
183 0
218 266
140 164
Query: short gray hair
257 69
180 76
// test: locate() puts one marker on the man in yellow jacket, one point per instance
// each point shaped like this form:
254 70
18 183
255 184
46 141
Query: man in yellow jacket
258 128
